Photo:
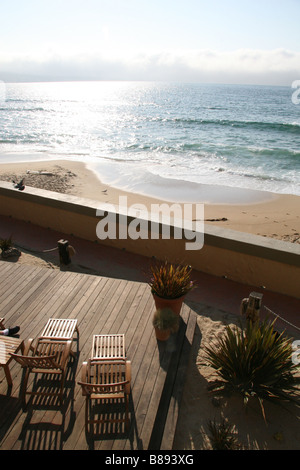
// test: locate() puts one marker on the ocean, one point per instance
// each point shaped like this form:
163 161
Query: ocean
147 137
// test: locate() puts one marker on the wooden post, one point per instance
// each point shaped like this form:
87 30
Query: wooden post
251 306
64 255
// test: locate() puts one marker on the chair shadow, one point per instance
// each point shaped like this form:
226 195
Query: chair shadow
10 407
49 422
113 431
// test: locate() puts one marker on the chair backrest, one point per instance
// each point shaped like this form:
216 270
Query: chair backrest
39 362
103 389
105 378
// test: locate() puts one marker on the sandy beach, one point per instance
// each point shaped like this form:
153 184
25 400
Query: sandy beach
275 216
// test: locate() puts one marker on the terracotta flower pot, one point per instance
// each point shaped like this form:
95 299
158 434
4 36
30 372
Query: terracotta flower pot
174 304
162 335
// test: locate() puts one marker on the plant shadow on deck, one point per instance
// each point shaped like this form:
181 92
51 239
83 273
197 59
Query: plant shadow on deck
48 423
174 359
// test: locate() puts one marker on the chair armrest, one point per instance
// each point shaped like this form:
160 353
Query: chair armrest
84 379
128 376
66 353
28 346
84 372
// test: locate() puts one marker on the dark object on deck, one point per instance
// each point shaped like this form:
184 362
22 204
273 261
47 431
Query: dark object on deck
64 255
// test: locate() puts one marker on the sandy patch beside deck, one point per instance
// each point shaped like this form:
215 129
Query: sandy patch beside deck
276 217
281 430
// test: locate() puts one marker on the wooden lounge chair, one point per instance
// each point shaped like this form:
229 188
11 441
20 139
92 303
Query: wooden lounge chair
107 381
46 357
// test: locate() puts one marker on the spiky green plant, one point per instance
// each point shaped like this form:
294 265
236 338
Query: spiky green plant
166 319
255 361
170 281
6 243
222 436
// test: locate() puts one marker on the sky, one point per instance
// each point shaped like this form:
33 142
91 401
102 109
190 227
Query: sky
208 41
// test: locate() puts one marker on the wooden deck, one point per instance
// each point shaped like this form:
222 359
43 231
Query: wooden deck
29 296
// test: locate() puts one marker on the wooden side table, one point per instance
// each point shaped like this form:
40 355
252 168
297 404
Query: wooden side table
108 347
8 345
60 328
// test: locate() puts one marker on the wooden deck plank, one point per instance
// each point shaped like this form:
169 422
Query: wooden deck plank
37 309
26 314
101 306
7 273
27 296
14 295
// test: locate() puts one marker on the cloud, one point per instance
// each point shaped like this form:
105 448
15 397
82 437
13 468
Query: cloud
273 67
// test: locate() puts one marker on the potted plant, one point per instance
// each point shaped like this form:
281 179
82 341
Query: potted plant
169 284
165 323
7 248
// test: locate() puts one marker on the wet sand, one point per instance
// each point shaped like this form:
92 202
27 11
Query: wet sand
261 213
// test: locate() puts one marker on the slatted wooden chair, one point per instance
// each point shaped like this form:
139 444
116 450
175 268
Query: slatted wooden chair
46 357
107 381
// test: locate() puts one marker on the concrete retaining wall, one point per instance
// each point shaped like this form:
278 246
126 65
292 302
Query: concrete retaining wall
242 257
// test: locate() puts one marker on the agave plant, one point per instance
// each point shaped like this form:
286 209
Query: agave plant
6 243
222 436
171 281
255 361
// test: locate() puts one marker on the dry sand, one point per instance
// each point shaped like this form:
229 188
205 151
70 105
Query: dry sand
280 431
278 218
